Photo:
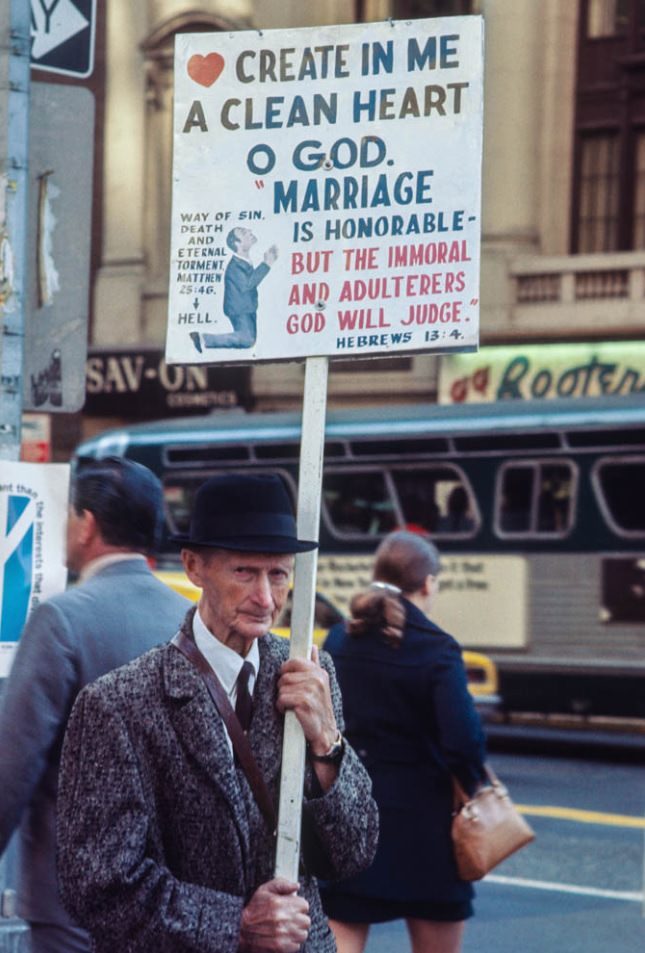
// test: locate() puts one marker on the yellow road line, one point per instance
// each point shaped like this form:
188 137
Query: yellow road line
584 817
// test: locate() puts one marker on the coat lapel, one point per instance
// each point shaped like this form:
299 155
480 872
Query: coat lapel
200 728
265 733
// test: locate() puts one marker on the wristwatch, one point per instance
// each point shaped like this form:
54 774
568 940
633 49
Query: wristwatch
334 754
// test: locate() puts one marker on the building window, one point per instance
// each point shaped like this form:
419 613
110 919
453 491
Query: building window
413 9
599 190
608 196
607 17
639 192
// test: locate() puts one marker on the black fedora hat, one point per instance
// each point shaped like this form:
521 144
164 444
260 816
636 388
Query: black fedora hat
245 514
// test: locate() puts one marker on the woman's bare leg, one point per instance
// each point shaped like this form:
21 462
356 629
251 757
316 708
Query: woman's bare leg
350 937
434 936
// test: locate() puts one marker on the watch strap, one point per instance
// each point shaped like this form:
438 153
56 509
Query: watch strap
333 754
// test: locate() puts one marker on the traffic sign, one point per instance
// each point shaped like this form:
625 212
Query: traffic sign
63 36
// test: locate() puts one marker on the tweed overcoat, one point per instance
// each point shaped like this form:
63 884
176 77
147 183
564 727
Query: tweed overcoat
412 720
69 640
160 841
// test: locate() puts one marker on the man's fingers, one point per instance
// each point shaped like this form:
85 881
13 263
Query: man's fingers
282 886
276 919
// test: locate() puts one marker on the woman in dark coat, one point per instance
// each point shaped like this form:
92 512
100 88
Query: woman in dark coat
410 717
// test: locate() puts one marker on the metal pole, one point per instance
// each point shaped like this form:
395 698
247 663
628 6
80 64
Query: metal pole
15 55
312 448
15 52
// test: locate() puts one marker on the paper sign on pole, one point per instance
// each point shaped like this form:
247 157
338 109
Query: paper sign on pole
327 187
33 511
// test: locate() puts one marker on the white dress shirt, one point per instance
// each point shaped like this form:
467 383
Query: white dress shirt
224 661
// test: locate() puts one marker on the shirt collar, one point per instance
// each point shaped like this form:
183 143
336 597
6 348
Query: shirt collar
225 662
96 565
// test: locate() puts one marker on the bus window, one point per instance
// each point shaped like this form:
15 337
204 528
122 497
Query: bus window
554 500
435 500
179 491
623 590
516 497
359 504
619 485
535 498
178 500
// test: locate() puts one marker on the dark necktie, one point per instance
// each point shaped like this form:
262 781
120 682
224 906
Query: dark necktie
243 703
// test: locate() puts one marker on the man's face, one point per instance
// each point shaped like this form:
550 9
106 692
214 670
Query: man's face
245 238
242 593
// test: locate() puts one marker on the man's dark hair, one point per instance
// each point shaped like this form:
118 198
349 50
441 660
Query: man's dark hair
126 499
233 240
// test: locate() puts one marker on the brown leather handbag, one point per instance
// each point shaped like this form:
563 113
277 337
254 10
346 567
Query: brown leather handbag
486 828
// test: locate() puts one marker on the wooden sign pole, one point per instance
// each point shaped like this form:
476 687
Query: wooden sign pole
302 617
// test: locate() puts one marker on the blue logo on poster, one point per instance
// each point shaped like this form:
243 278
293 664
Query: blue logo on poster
17 571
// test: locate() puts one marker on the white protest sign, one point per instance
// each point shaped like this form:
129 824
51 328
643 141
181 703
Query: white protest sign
33 514
326 197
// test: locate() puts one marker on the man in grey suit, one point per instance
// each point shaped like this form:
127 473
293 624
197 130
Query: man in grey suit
117 611
241 282
162 843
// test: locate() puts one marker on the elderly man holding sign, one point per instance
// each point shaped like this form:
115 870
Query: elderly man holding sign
171 764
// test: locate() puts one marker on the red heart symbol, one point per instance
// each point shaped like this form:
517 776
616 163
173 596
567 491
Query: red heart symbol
205 69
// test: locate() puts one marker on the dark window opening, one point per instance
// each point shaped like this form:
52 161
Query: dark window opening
607 17
607 438
623 590
382 448
277 451
213 454
435 501
536 499
411 9
621 488
178 500
521 441
599 194
359 504
179 495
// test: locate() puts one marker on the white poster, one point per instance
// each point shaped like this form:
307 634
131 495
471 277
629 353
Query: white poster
33 515
326 191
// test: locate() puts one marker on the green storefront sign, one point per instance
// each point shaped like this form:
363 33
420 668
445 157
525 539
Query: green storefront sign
543 372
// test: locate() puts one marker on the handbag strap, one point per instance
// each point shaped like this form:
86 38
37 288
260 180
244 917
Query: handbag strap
240 742
459 796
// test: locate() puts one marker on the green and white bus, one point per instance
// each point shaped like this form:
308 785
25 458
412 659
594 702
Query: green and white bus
537 507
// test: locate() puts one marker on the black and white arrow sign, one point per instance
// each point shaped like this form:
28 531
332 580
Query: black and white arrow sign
62 34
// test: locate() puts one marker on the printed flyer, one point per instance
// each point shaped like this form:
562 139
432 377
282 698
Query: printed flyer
326 192
33 515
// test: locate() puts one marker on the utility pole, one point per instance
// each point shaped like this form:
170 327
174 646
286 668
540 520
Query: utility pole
15 48
15 52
